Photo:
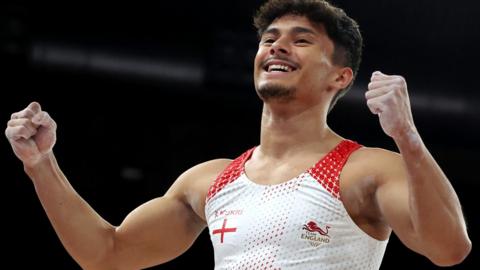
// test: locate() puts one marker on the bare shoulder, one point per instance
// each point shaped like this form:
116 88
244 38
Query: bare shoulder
377 162
366 170
368 154
204 173
192 186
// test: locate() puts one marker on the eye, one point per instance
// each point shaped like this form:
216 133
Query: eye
302 41
268 41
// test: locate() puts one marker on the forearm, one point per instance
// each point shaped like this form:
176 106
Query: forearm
85 235
436 212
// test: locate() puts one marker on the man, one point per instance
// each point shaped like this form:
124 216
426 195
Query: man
270 208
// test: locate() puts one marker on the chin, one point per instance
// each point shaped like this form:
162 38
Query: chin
279 92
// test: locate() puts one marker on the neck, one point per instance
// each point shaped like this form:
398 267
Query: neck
286 129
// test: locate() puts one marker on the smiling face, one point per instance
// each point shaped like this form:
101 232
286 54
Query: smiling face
293 60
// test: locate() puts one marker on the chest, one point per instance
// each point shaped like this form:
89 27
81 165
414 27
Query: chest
273 172
245 211
296 218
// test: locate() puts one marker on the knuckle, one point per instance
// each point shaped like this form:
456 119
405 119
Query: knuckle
13 132
392 94
396 90
13 122
29 112
21 130
8 132
400 80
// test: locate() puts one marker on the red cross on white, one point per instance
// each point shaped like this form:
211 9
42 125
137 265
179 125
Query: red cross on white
224 230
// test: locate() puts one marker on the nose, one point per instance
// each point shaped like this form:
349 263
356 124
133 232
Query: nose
279 47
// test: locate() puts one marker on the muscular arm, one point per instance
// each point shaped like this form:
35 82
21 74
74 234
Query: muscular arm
155 232
419 203
414 195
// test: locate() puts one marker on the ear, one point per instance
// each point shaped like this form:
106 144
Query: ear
342 77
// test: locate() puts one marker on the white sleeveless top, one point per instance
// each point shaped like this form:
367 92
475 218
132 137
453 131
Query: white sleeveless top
298 224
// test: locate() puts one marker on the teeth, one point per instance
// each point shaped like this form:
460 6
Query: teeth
279 67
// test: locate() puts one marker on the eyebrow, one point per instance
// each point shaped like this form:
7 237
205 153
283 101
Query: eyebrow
294 30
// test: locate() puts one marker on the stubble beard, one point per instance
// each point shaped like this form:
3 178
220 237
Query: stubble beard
276 92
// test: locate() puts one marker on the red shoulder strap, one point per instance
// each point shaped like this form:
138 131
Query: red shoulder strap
327 170
230 174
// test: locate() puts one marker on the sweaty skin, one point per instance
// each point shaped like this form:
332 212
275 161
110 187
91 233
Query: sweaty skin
382 191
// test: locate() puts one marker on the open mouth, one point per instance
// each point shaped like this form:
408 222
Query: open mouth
274 66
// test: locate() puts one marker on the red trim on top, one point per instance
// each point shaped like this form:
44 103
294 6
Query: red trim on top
230 174
327 170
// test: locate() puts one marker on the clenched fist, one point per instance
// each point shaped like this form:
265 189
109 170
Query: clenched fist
32 134
387 96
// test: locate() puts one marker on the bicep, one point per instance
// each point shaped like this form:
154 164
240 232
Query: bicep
156 232
392 196
164 228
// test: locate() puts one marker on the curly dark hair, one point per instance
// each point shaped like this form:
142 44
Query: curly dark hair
341 29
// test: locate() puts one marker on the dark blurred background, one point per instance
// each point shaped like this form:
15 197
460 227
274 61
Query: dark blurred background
141 92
